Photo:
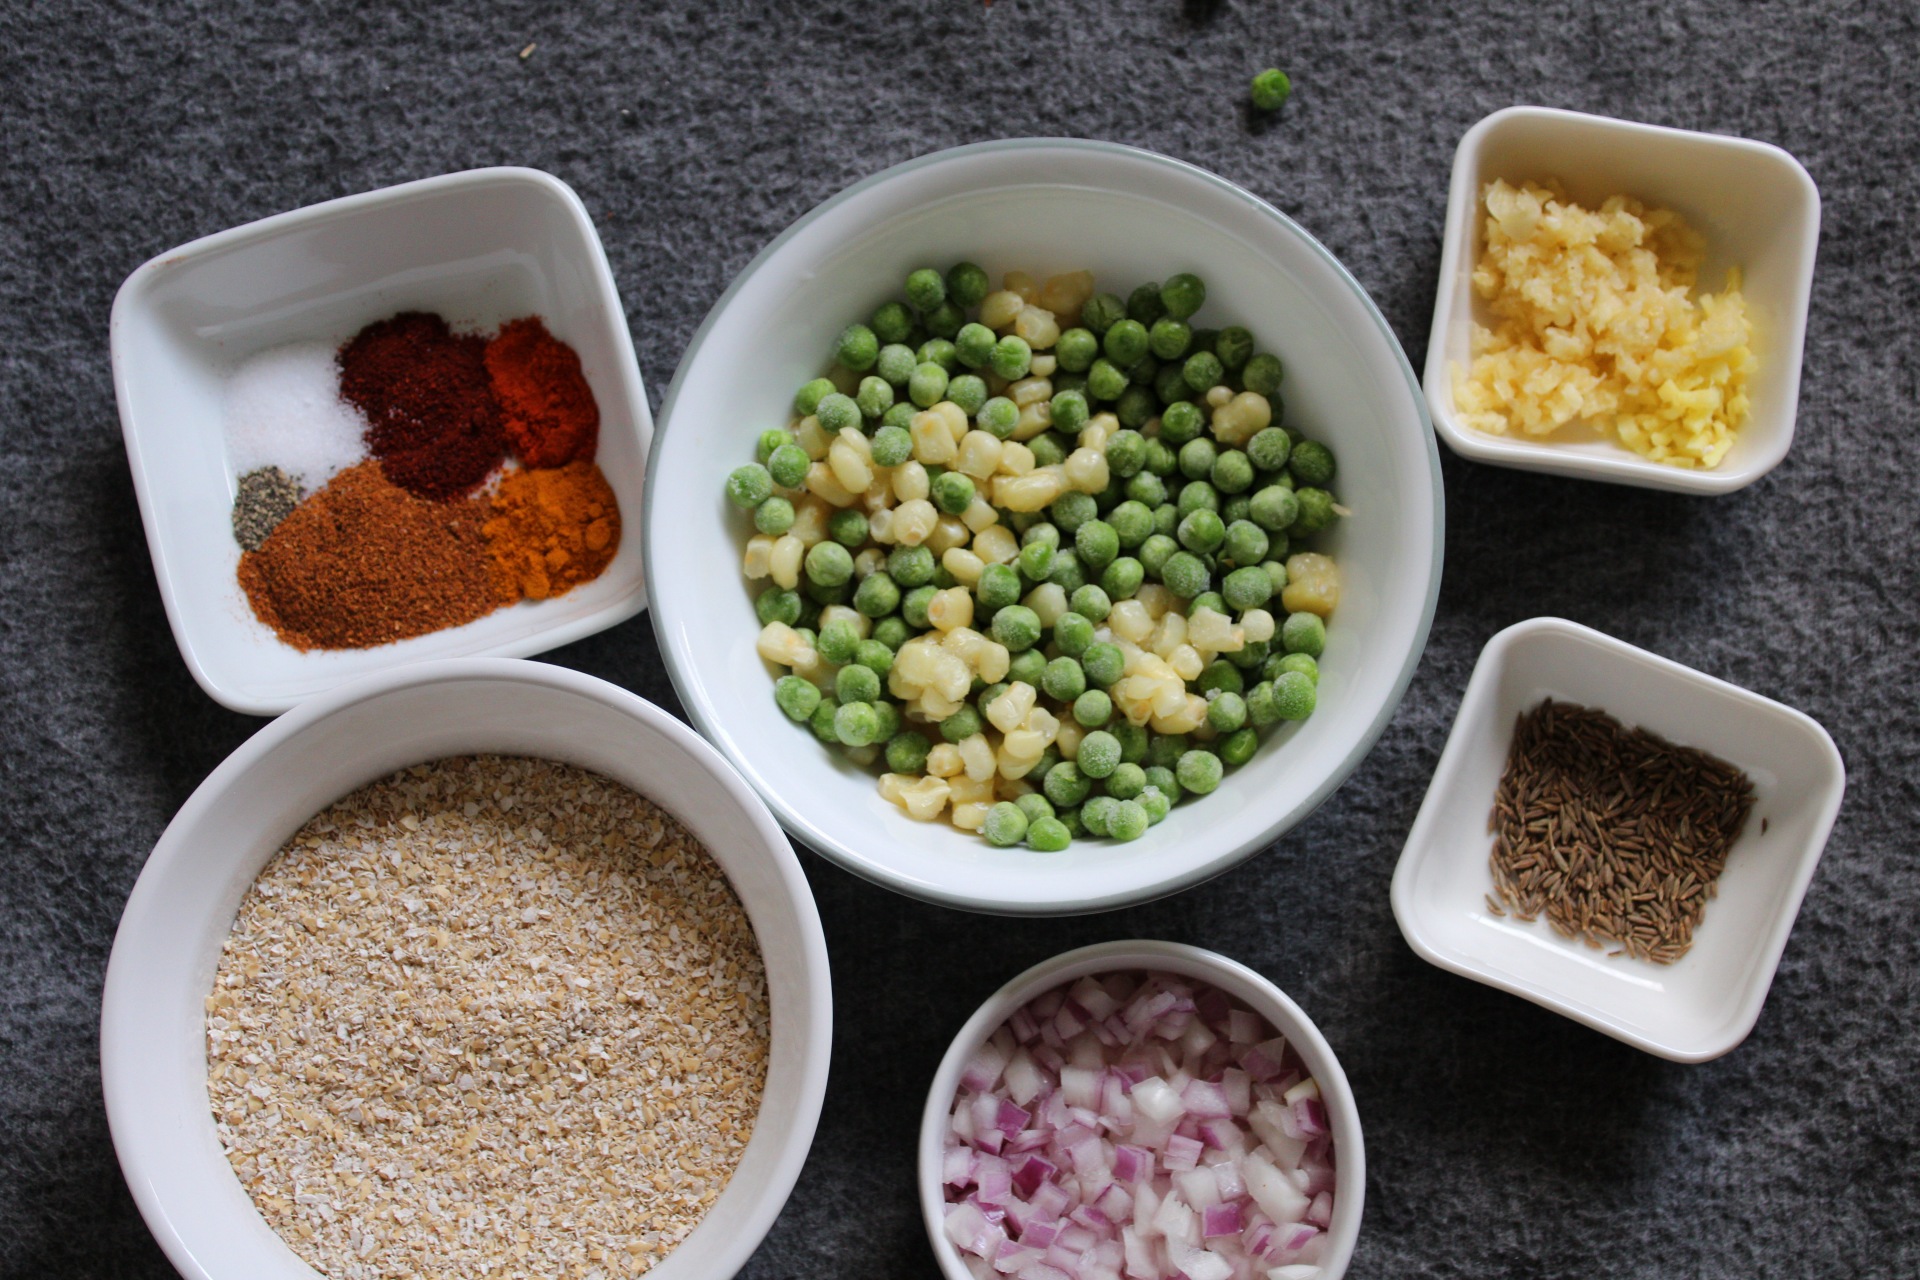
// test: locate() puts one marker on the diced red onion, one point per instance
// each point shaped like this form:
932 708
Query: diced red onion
1320 1212
1222 1220
1181 1153
983 1069
1311 1116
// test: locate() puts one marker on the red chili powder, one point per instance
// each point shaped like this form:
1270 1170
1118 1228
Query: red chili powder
432 419
551 417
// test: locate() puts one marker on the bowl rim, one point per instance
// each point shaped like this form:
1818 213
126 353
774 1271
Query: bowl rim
1545 456
1411 909
130 300
121 1070
817 838
1153 955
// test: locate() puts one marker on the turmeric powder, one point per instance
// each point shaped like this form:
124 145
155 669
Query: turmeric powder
551 530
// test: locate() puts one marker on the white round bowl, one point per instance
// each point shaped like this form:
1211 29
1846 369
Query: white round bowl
152 1025
1044 206
1232 977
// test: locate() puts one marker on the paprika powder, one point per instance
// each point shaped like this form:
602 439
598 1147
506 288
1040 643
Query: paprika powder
432 419
549 411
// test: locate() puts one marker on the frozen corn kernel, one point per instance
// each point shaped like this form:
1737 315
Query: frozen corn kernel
954 416
1313 584
1086 470
880 525
870 561
979 454
1038 326
1030 391
810 517
1015 459
979 514
813 438
1008 711
781 644
1012 767
933 443
967 788
879 494
936 707
1098 431
951 608
963 565
923 798
996 545
1048 601
1000 310
758 562
1156 598
948 531
944 761
1066 293
1219 396
1022 283
976 757
1168 634
823 484
783 563
862 625
1043 366
1257 624
851 468
1033 491
1034 419
1187 662
1191 716
910 481
913 522
1129 620
971 815
1068 739
1240 418
1210 630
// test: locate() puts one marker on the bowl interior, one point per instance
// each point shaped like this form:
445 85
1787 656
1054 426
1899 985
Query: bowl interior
479 248
1045 207
1756 207
1237 980
1704 1003
153 1025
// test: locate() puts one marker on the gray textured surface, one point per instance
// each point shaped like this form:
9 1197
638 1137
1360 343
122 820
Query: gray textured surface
1502 1139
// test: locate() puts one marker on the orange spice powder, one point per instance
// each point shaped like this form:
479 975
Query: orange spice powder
552 529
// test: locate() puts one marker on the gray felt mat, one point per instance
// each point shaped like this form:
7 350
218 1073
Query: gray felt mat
1503 1140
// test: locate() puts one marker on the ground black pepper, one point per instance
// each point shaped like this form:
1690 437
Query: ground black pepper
267 495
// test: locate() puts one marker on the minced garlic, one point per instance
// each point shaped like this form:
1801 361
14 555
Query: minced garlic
1594 324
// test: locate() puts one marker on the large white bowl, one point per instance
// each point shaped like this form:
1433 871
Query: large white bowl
152 1023
479 248
1196 963
1044 205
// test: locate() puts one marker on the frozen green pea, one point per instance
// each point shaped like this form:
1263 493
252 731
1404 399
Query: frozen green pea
1066 785
857 347
928 385
962 724
1181 422
888 717
1099 755
1103 663
770 439
1263 374
1106 380
926 289
829 564
1148 491
967 284
1132 523
914 606
1069 411
821 721
1170 384
1005 825
1155 552
1183 294
810 394
1069 820
1133 741
1247 588
891 633
1035 561
969 392
1035 805
1126 452
1160 778
1067 573
1262 709
1073 634
984 698
901 415
1012 357
1128 820
1234 346
874 397
1268 450
848 527
1063 679
1311 464
877 595
838 642
1076 349
875 655
826 593
1316 511
1235 507
774 516
1028 666
836 413
1093 708
1145 305
1102 311
1121 579
1202 532
1165 750
1071 510
1091 602
1039 531
998 417
1303 633
1220 676
1304 663
895 364
1250 656
1125 343
998 587
940 351
1166 520
788 466
777 605
1126 781
857 724
1048 759
1208 600
944 321
1198 772
891 322
1197 457
855 683
1245 543
1231 472
1017 627
1096 543
907 752
1185 575
797 697
952 492
1096 813
1155 804
1274 508
892 446
943 578
1239 746
1169 338
910 566
1226 712
749 486
1271 89
1135 407
1048 835
1293 695
973 345
1203 371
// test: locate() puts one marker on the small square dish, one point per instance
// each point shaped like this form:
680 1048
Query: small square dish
1704 1003
479 248
1755 205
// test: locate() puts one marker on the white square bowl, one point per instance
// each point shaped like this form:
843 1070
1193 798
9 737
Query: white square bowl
1703 1004
1754 203
480 248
